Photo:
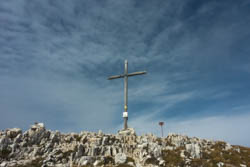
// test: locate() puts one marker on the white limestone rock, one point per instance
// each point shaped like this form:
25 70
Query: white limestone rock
4 164
96 149
220 164
177 140
85 160
105 140
128 131
98 163
242 165
162 163
80 151
169 148
193 149
120 158
12 133
4 143
228 146
18 138
36 133
155 149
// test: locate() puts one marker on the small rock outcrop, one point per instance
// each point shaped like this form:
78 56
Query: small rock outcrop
38 147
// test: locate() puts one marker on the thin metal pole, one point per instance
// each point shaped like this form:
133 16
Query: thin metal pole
126 93
161 131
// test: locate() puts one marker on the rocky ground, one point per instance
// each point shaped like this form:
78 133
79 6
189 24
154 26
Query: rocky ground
40 147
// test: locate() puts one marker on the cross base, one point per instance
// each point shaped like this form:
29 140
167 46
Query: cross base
126 132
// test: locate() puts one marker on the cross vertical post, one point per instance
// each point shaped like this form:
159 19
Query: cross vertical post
125 76
125 115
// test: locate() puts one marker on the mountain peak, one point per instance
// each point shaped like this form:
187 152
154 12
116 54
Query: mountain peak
40 147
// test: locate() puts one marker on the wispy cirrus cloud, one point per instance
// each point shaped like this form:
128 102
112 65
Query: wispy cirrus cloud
230 128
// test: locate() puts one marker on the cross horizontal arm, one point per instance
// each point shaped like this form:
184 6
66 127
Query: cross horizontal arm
115 77
137 73
129 75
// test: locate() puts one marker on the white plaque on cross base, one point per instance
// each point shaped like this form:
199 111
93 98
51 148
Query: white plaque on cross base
125 114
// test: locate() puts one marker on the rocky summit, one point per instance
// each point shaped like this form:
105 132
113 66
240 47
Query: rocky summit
38 147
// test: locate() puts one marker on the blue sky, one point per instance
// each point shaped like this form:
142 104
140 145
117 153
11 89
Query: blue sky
55 57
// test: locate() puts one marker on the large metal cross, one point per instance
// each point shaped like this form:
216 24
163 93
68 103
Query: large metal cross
125 76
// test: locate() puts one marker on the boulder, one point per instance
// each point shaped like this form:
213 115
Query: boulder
177 140
155 149
242 165
108 151
98 163
4 142
86 160
105 140
162 163
18 138
120 158
220 164
36 133
12 133
128 131
193 149
3 164
228 146
55 137
37 126
80 151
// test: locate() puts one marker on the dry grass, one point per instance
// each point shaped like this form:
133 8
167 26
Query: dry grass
5 153
173 157
231 158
